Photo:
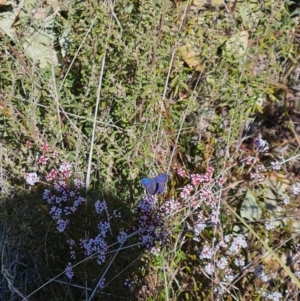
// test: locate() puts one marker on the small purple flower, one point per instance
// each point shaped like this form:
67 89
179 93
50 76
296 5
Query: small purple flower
69 271
100 206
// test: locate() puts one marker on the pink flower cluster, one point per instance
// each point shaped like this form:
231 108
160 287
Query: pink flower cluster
65 170
199 225
208 196
237 243
205 196
31 178
202 178
170 206
43 160
196 180
185 193
181 172
206 253
45 148
29 144
221 259
51 175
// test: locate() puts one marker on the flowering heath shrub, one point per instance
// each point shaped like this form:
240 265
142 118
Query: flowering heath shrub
68 205
193 214
196 211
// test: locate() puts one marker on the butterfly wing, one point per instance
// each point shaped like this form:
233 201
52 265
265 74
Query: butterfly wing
160 181
150 185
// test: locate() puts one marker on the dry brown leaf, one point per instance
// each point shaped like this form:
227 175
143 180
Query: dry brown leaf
191 56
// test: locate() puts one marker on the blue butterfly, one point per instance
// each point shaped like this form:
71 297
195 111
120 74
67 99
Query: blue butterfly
156 184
